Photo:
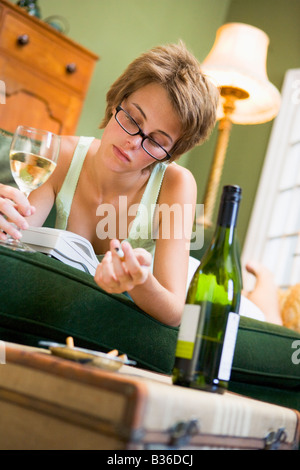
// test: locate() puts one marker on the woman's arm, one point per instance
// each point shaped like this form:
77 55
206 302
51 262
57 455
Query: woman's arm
16 209
161 294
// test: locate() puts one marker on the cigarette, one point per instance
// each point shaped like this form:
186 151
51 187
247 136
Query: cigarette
70 342
120 253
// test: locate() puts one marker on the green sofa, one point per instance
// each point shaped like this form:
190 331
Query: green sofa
44 299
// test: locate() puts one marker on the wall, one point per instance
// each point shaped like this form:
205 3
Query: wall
248 144
119 30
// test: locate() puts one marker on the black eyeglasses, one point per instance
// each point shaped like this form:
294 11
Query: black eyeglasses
129 125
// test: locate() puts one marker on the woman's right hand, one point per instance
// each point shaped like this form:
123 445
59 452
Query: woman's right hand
14 207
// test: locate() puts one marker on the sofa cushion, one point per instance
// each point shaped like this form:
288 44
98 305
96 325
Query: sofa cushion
268 355
266 364
44 299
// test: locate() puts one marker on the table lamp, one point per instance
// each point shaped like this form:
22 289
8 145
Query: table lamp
237 65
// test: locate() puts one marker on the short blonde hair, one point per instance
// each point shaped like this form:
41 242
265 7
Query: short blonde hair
193 96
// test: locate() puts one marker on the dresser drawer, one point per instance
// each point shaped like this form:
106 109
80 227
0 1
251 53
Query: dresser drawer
41 50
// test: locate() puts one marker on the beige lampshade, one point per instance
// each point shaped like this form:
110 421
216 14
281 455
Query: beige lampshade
238 59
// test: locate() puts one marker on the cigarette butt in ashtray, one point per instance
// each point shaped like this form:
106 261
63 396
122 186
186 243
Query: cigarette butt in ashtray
70 342
113 352
123 357
120 253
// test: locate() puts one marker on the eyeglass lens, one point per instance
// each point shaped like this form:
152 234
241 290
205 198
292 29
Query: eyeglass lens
154 149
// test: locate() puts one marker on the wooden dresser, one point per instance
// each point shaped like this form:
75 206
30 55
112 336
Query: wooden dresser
45 75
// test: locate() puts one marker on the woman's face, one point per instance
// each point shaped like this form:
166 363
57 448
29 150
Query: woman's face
152 110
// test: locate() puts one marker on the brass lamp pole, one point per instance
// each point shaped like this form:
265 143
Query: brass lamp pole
230 94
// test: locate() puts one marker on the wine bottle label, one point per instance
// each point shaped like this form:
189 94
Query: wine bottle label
228 346
187 331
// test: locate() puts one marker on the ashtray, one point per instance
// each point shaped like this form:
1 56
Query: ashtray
109 361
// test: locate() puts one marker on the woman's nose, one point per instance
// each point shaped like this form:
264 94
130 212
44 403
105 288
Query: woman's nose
134 141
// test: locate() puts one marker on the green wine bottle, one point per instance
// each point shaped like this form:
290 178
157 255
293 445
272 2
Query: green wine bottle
208 331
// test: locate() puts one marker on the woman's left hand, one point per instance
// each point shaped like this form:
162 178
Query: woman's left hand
116 275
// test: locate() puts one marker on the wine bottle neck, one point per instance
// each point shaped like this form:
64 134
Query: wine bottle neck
228 213
224 235
226 222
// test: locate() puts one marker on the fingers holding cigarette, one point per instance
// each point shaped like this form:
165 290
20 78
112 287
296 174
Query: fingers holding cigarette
123 267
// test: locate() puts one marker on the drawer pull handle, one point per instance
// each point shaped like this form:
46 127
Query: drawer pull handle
71 68
23 39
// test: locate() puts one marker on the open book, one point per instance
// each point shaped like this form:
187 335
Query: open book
68 247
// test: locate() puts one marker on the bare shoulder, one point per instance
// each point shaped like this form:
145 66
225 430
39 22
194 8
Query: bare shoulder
179 184
179 173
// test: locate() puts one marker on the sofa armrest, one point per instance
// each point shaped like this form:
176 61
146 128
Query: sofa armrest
44 299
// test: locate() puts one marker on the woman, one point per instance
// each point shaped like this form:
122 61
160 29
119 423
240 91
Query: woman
160 107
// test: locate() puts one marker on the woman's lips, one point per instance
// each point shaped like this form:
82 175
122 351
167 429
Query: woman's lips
121 154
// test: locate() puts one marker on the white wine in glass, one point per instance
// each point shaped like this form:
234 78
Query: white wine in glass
33 158
29 170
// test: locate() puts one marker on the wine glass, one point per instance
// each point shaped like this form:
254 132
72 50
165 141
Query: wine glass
33 156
